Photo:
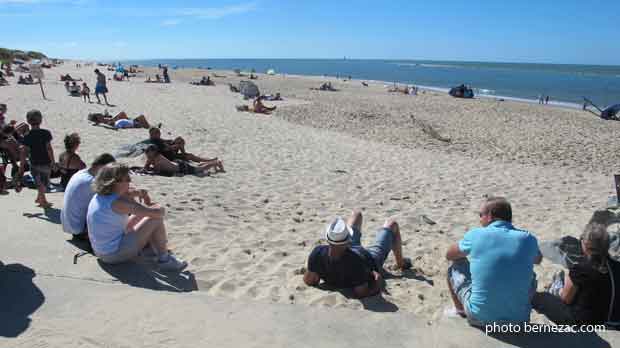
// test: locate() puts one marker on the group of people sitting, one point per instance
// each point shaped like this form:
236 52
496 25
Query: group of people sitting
204 81
409 90
168 157
120 121
3 80
157 79
325 86
116 220
25 80
491 278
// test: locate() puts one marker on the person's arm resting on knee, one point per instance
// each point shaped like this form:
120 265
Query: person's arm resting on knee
127 206
369 289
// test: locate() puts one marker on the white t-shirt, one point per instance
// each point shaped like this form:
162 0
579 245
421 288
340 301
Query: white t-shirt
124 123
75 203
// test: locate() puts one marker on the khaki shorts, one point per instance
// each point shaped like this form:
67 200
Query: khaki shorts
127 250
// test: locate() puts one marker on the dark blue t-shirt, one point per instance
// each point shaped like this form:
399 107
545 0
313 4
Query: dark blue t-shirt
37 140
351 270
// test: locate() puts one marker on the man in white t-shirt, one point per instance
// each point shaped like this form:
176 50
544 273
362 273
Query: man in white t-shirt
78 194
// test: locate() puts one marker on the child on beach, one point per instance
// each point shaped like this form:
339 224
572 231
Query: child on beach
37 146
86 92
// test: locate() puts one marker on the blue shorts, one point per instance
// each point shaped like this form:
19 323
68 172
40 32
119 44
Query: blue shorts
460 281
382 247
101 89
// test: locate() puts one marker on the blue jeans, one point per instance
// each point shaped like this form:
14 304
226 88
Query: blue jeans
382 247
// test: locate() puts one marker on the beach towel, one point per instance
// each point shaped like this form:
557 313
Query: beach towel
132 150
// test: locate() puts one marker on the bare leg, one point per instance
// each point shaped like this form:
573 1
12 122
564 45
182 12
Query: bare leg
98 100
355 220
151 230
397 245
106 99
457 303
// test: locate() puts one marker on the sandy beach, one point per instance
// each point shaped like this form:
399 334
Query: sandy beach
247 233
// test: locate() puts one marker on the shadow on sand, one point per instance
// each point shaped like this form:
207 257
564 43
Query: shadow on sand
147 276
19 298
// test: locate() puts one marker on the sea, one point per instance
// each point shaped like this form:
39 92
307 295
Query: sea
565 84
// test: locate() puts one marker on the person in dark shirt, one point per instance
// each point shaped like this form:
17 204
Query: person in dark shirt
175 150
587 288
344 263
37 147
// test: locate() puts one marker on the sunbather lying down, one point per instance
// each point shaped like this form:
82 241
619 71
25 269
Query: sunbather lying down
161 165
121 120
25 80
327 86
258 107
68 78
157 79
205 81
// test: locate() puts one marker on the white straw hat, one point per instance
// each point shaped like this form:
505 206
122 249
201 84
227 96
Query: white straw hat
338 232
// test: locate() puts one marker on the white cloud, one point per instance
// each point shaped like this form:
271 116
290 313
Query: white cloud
217 12
170 22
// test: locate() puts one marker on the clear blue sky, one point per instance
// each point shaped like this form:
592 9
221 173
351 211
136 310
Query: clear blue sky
549 31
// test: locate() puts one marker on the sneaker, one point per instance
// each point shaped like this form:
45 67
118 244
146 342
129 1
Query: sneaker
173 264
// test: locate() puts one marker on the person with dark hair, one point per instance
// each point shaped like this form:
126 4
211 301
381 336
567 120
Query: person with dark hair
492 275
161 165
100 87
587 290
69 161
175 150
78 193
38 147
345 264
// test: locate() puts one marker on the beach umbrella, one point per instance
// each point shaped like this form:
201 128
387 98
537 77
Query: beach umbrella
271 72
248 89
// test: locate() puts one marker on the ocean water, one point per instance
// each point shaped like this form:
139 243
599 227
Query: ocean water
564 83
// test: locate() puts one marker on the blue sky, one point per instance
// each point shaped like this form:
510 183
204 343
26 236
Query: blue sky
548 31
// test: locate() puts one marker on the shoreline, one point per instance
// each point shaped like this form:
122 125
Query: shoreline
479 90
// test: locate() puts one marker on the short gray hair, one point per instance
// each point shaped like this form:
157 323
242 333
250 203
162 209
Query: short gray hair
108 176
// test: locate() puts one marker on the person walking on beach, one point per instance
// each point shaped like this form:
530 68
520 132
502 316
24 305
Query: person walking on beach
344 263
100 87
540 99
546 100
37 147
492 275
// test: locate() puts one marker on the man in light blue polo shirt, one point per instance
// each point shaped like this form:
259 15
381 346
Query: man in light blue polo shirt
492 277
78 194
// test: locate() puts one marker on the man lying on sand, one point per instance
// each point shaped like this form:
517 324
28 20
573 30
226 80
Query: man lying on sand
344 263
492 275
159 164
175 150
121 120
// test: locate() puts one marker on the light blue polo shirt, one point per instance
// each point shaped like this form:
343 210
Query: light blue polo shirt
501 262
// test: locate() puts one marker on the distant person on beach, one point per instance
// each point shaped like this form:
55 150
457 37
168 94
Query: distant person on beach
175 150
100 87
119 227
541 100
547 100
78 194
260 108
159 164
587 290
165 73
345 264
492 275
37 147
86 92
121 120
69 162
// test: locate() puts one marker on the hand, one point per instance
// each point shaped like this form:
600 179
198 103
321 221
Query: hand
378 277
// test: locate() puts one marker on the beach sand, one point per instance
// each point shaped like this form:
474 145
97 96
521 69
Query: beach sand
247 233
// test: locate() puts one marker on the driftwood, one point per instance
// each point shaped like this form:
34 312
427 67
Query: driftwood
428 129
